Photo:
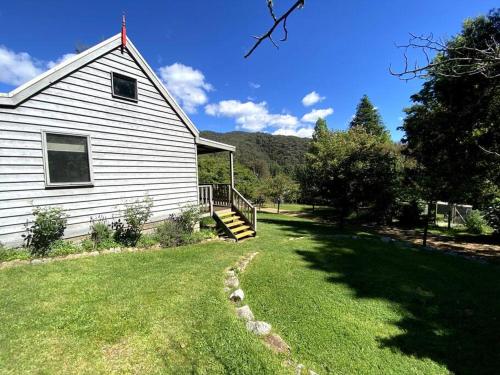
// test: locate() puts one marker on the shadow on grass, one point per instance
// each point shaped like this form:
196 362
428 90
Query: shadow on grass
450 307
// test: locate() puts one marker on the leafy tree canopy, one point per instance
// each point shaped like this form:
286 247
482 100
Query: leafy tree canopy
453 128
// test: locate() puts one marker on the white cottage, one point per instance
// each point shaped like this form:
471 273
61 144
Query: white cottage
100 130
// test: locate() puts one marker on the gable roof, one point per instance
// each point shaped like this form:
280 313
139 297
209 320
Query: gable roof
42 81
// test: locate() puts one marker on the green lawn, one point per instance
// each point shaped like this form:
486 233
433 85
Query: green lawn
345 306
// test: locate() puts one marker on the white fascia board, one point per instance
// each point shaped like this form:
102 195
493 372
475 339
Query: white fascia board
38 83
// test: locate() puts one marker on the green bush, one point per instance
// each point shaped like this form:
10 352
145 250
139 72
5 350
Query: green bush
100 233
87 245
136 214
475 222
61 247
189 218
48 227
147 241
170 233
207 222
493 216
179 229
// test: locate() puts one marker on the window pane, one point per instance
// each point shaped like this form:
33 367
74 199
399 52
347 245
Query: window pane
124 86
68 158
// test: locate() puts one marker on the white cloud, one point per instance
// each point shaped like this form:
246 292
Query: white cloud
186 84
305 132
251 116
312 98
254 85
315 114
18 68
60 60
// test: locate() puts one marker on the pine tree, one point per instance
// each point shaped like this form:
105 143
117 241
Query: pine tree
368 118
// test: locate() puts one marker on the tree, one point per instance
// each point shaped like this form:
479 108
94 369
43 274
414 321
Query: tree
281 188
214 169
355 169
453 128
368 117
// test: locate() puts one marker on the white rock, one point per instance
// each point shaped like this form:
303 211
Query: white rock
230 273
259 328
237 295
232 282
245 313
299 368
36 261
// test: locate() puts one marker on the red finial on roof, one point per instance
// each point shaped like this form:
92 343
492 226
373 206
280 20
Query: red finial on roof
124 33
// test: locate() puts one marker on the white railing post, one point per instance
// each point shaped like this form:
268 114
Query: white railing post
211 197
254 219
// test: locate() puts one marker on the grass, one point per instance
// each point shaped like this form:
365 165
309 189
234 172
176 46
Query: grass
343 305
153 312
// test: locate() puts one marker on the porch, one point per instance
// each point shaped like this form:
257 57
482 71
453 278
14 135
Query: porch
233 213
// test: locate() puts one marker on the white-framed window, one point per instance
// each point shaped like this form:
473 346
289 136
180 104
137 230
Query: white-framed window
67 159
123 87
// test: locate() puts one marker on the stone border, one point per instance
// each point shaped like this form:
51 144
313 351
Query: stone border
113 250
259 328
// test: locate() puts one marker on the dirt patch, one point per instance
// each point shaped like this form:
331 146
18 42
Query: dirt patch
468 246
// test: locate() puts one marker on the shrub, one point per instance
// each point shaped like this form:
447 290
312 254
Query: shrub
179 229
87 245
147 240
100 233
207 222
493 216
170 233
189 218
48 227
475 222
61 247
135 216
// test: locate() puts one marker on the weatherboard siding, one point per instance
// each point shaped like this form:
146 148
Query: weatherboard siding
137 149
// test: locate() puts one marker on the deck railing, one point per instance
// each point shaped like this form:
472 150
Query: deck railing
244 207
224 195
206 199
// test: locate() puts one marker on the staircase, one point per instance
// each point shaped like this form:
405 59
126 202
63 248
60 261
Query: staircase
234 224
236 217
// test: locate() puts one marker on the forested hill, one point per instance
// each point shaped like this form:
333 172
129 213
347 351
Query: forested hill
265 153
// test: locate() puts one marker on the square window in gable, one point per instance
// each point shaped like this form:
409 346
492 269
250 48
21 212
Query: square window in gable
124 87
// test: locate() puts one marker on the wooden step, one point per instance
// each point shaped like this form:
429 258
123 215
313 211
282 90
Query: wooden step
245 234
239 229
227 219
222 214
234 224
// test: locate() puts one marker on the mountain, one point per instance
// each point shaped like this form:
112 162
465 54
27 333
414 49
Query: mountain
265 153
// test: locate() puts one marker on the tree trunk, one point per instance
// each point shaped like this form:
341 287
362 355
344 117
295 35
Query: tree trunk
426 226
450 213
279 201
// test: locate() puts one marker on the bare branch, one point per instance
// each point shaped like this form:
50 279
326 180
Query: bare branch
459 61
277 21
489 152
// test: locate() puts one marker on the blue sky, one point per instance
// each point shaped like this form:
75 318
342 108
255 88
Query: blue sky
339 50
